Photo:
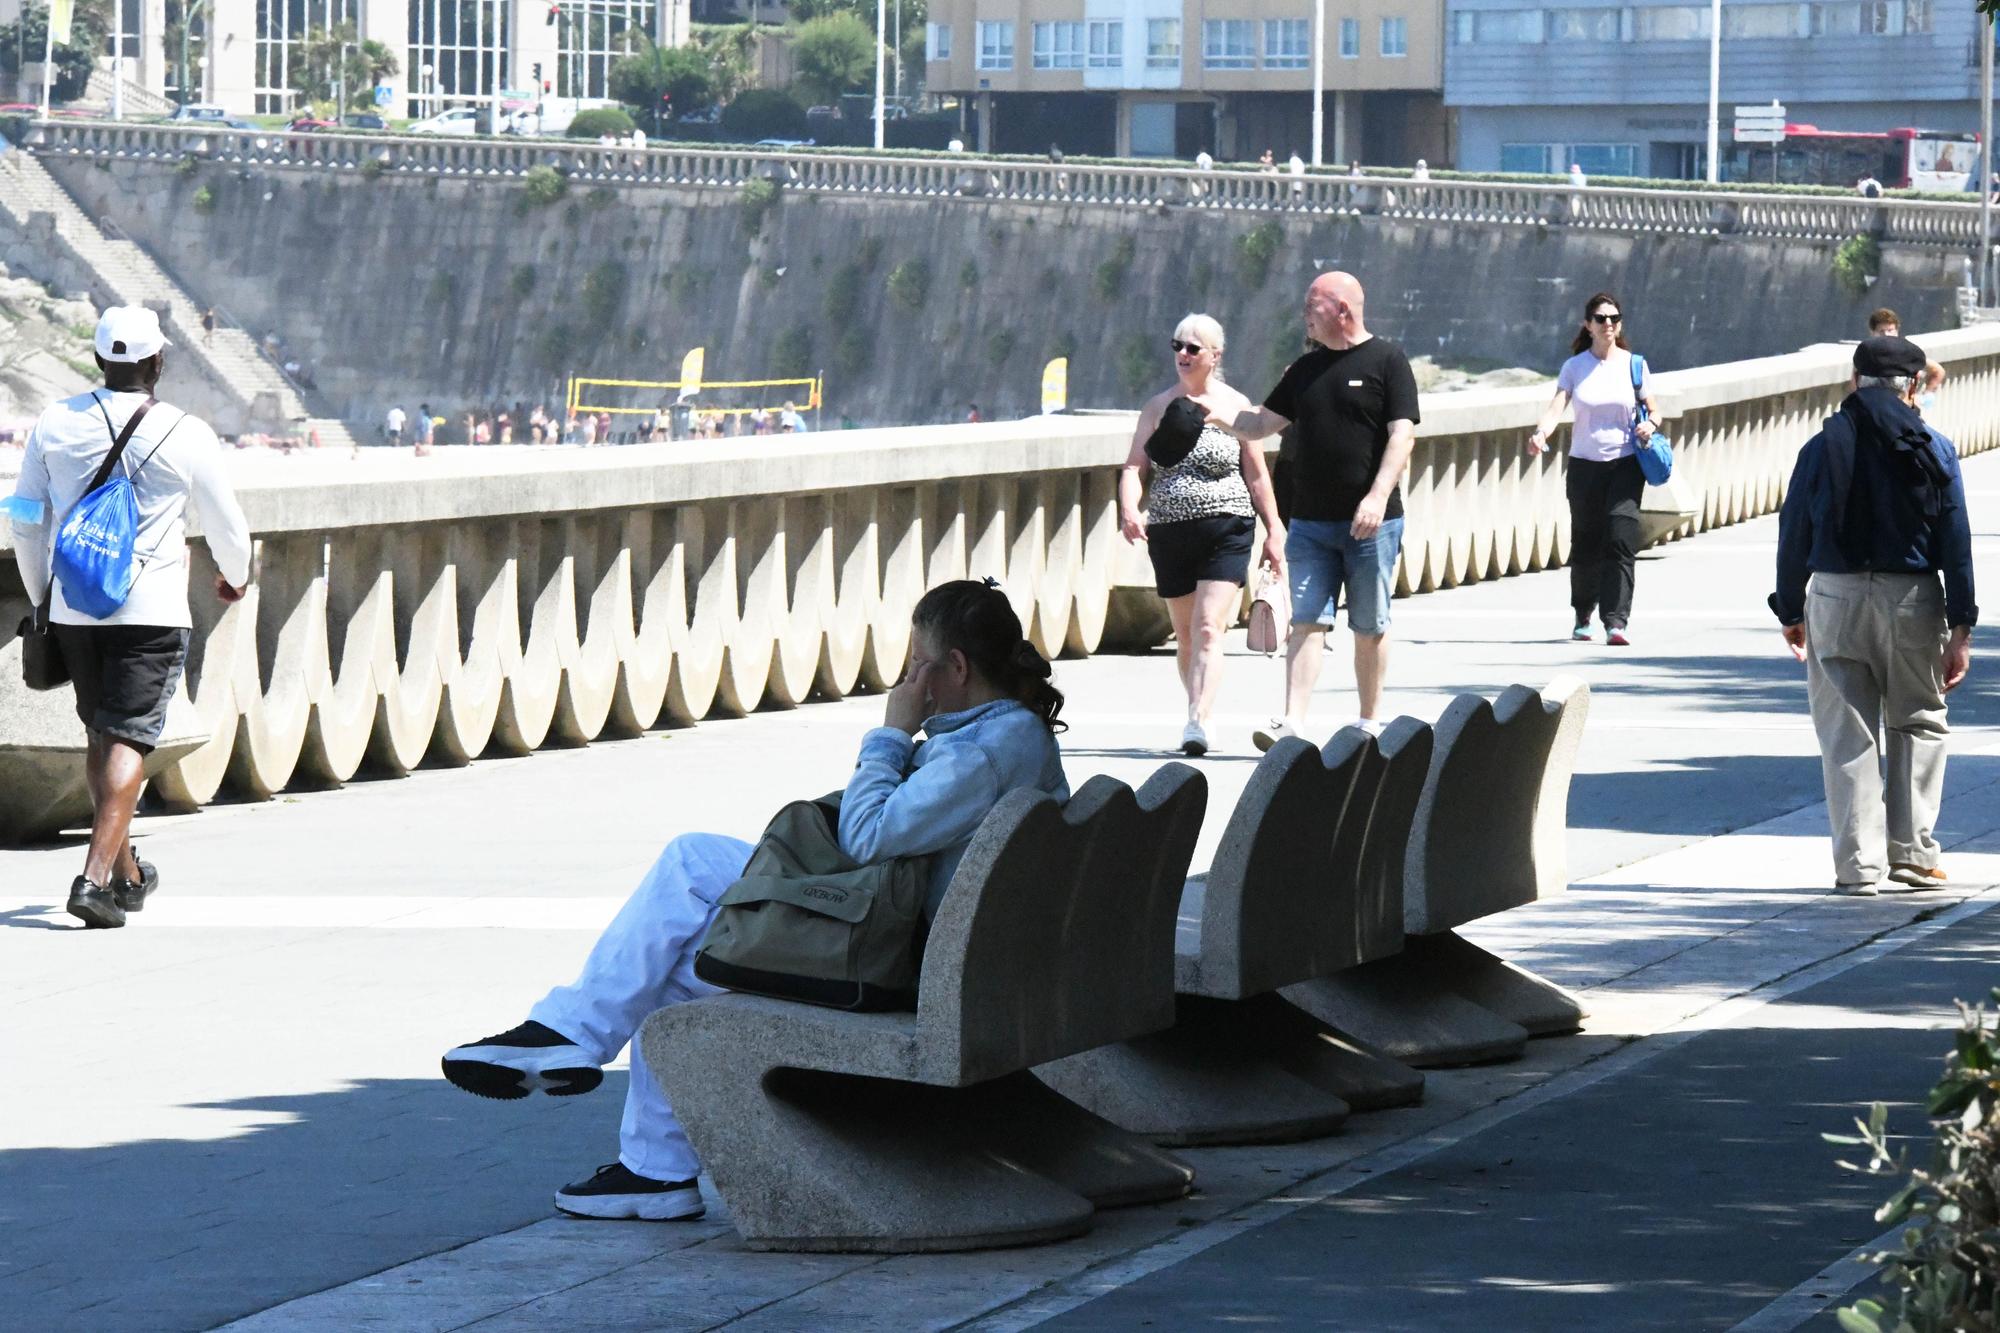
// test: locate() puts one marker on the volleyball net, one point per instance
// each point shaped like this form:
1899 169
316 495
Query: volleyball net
705 397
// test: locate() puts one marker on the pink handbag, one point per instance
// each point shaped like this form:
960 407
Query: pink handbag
1270 613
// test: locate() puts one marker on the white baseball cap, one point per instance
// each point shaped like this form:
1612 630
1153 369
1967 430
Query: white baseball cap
129 333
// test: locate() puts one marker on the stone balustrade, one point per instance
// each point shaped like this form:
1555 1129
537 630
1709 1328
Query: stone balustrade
1807 217
408 611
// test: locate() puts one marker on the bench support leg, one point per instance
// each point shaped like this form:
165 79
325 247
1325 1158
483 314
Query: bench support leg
1400 1007
1491 982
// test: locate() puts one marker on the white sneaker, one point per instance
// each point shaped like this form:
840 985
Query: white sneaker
1194 740
1369 725
1856 890
1267 736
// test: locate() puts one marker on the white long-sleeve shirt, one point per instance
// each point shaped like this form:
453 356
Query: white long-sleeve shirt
174 460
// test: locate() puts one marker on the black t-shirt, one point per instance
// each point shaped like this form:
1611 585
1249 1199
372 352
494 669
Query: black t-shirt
1341 404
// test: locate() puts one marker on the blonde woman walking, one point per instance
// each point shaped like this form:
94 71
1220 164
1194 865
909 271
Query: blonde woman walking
1208 489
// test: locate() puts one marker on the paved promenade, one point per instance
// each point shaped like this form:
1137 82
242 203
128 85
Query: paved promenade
231 1110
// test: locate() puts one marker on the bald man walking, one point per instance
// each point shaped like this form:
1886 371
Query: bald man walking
1354 401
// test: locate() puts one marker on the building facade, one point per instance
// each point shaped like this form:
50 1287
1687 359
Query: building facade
1173 78
243 53
1621 89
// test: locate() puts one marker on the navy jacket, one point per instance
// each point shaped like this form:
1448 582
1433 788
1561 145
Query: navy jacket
1876 491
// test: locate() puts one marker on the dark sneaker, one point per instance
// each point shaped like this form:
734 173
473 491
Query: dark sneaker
514 1063
132 896
94 905
615 1193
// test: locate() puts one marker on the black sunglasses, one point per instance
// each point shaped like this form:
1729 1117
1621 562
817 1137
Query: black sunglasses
1192 349
1602 318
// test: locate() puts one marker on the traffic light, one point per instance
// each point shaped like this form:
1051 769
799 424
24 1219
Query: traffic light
538 73
666 104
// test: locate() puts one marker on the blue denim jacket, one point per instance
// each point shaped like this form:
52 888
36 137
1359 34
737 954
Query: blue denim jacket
907 799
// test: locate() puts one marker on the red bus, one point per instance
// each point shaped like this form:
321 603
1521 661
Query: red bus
1901 159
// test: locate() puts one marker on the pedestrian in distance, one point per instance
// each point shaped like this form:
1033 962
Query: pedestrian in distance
1208 489
1604 484
208 327
392 425
1267 162
1353 402
1886 323
1577 179
125 661
982 697
1868 188
425 431
1875 596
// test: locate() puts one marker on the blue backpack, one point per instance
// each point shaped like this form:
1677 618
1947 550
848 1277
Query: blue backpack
1656 455
93 548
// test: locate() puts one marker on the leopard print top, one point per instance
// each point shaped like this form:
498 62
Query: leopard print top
1206 484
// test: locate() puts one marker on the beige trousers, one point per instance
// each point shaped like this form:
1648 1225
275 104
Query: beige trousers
1874 659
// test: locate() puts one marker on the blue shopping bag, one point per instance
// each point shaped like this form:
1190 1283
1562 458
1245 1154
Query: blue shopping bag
1656 455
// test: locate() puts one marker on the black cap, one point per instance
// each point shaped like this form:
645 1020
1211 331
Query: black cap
1889 356
1173 439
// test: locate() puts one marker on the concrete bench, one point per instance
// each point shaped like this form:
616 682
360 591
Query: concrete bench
1488 836
901 1132
1305 883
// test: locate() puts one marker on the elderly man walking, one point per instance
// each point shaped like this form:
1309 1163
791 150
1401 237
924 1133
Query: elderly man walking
1354 401
125 663
1875 596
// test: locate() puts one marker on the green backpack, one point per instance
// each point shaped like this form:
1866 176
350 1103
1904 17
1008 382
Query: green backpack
805 922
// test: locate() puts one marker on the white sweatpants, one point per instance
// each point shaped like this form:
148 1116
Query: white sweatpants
644 961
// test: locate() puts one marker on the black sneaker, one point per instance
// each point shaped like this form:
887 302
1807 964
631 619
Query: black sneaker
615 1193
516 1062
132 895
94 905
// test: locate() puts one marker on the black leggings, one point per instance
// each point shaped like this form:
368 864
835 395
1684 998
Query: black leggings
1604 537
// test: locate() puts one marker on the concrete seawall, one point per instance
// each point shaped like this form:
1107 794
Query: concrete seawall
458 291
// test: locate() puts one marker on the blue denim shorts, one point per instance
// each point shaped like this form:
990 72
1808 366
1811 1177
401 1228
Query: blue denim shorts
1325 558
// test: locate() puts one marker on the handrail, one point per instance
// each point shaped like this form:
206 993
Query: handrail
1810 217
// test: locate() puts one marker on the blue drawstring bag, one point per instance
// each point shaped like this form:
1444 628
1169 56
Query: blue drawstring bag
93 548
1656 455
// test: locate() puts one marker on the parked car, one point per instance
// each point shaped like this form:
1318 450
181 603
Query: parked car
784 144
200 111
708 115
458 120
364 120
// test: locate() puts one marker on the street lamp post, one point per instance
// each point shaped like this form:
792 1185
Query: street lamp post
881 31
188 16
1985 158
1319 81
1714 90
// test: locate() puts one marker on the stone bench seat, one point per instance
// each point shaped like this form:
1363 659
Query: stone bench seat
1305 883
1488 835
900 1132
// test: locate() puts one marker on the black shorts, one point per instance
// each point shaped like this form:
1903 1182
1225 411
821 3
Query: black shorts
1198 549
124 677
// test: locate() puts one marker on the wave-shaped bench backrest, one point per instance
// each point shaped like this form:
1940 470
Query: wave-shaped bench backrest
1057 932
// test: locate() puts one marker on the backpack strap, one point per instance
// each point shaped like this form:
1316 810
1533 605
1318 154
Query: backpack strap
1638 366
119 439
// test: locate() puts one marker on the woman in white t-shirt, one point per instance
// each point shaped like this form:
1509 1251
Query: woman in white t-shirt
1604 483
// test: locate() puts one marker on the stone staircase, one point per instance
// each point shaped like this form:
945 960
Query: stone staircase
139 101
127 275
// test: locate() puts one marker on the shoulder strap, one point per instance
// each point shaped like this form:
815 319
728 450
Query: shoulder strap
1637 364
118 441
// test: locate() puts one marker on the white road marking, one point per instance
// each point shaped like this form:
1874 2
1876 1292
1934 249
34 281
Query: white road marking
1818 1293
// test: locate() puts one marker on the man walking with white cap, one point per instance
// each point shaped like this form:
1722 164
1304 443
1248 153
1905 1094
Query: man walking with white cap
125 663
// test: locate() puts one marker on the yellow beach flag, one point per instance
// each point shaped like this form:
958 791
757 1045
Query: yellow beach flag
691 367
1055 385
60 14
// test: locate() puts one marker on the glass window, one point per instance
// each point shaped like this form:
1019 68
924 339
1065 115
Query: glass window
1670 23
1395 37
465 43
1350 39
1755 21
937 41
1107 43
1583 25
1287 43
590 40
283 27
1533 158
1606 159
1882 18
996 45
1840 19
1916 15
1163 43
1496 26
1228 44
1058 46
